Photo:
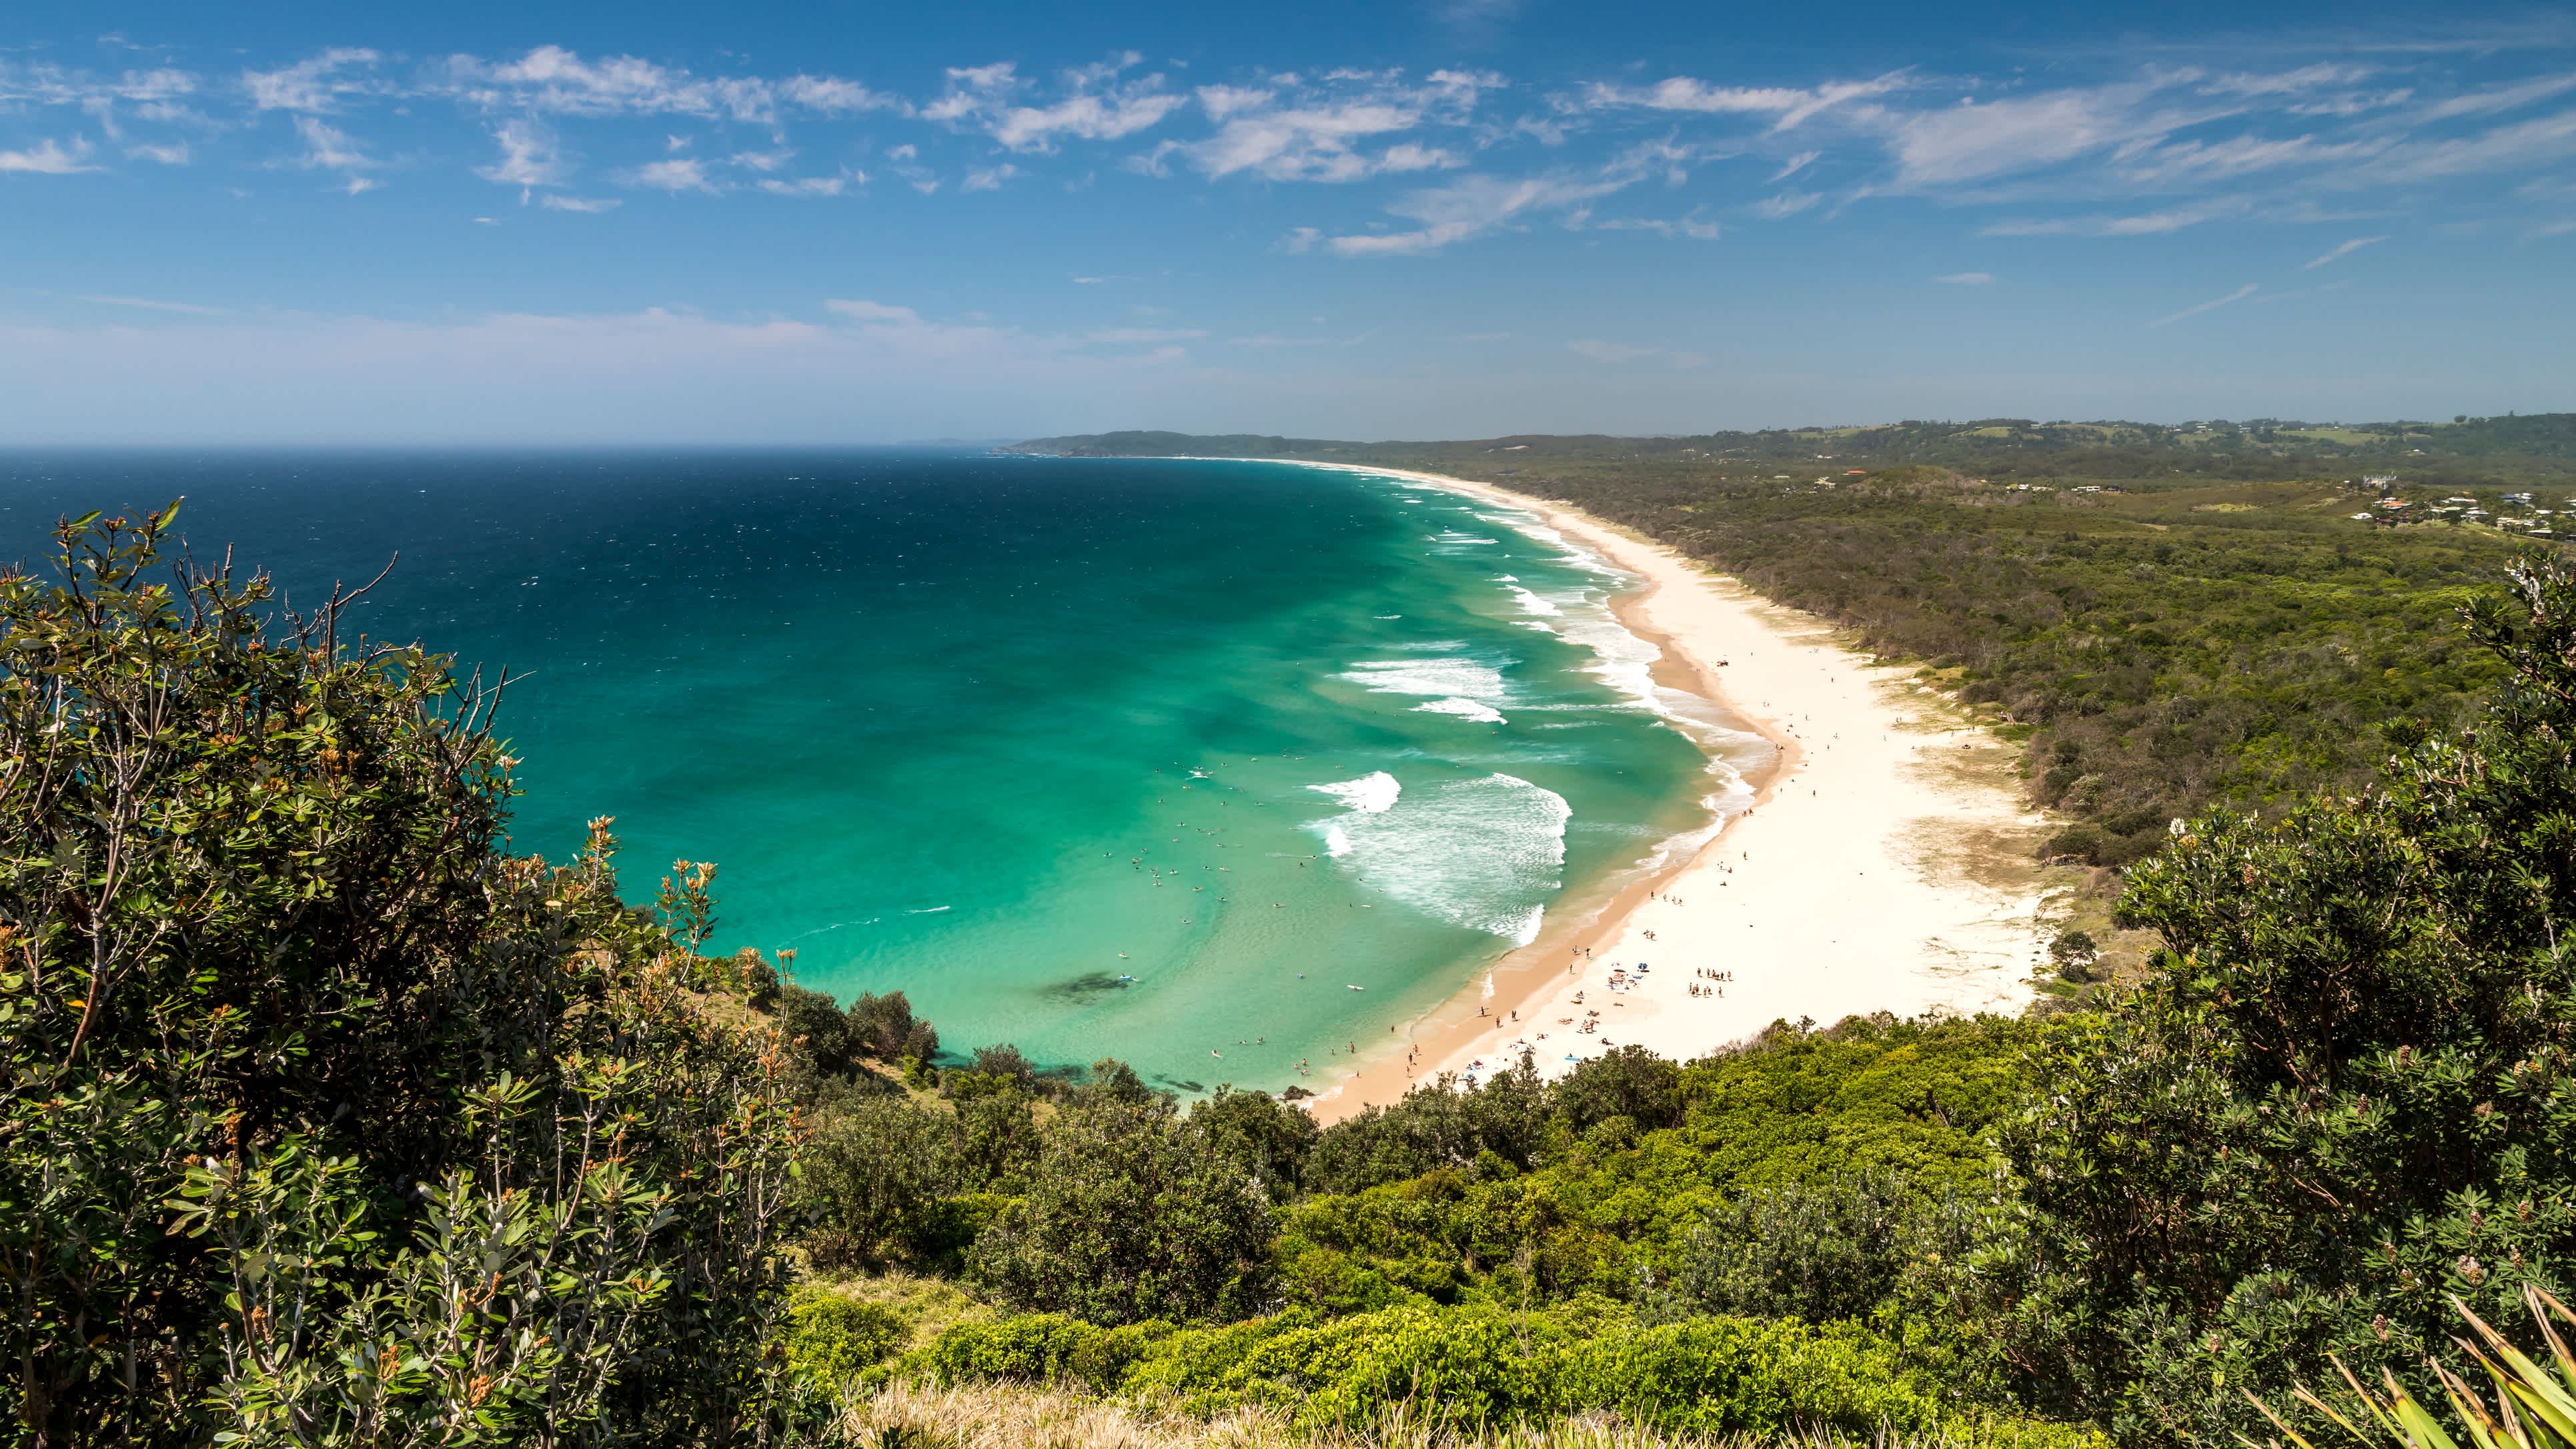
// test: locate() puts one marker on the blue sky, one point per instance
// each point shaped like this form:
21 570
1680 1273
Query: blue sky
1413 218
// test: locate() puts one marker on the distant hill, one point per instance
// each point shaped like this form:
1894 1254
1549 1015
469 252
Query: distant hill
2539 448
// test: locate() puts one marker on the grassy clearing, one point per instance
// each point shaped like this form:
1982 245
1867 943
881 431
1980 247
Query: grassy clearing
928 1306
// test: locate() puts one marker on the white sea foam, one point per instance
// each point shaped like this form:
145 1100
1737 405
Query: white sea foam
1465 709
1621 660
1483 853
1436 678
1373 794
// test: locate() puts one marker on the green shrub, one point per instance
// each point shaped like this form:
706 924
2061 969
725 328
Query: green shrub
832 1340
2345 1098
322 1120
1131 1213
1841 1248
1482 1367
1035 1346
1613 1209
814 1023
878 1168
1746 1376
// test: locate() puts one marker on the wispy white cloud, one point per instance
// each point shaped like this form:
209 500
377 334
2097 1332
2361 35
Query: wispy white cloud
317 83
328 148
2539 141
2304 78
1474 205
154 304
814 186
1968 279
1976 141
47 84
1096 104
1789 106
1621 352
1794 165
2189 163
49 157
1476 20
530 156
1469 207
174 154
557 201
1272 339
987 178
2353 103
1293 129
2153 223
1786 204
674 175
2486 100
552 80
904 333
832 96
2213 304
1138 336
1693 227
905 160
2344 250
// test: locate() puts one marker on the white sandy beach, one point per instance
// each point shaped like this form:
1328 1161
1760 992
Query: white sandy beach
1884 865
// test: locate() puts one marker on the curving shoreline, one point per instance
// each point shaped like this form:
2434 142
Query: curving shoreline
1883 864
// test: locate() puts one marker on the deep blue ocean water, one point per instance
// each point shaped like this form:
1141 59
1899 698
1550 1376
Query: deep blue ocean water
1146 759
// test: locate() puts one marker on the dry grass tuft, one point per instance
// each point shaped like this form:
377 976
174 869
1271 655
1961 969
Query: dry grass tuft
1001 1416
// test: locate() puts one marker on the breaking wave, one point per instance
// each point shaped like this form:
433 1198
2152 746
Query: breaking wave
1483 854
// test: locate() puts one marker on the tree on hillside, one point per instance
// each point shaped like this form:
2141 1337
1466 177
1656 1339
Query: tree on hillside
1132 1212
324 1121
2350 1092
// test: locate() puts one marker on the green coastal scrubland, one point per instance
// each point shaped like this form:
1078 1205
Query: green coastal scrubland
328 1122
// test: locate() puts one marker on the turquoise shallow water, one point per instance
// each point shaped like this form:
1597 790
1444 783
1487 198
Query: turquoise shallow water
1152 759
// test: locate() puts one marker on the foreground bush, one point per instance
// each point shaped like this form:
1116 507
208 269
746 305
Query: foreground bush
2345 1099
326 1122
1479 1368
